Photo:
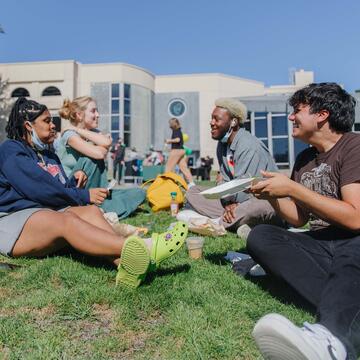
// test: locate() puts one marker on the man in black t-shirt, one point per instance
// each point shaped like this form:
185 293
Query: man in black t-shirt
322 264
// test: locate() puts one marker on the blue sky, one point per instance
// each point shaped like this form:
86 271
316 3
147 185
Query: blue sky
260 40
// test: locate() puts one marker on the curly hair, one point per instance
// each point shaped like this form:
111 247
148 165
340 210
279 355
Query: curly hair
331 97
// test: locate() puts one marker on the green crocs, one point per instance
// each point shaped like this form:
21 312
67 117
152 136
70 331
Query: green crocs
135 259
134 264
168 243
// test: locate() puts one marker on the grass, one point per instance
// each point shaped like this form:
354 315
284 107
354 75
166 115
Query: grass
67 307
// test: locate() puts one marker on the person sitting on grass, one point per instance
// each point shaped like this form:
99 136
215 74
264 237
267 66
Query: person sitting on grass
42 211
322 264
240 155
83 147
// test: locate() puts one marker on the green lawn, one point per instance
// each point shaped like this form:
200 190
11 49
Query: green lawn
67 307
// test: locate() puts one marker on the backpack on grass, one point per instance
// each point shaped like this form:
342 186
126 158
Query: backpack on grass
158 193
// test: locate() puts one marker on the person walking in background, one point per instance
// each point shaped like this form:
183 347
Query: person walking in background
118 155
177 152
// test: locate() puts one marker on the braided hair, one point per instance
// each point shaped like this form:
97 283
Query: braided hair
23 110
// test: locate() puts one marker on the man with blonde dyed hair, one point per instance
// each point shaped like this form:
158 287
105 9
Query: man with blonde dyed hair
239 154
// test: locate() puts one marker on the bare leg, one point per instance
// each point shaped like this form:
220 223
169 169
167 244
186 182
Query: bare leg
185 170
174 157
93 215
47 231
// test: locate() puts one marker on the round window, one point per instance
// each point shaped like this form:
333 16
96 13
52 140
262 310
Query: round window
177 108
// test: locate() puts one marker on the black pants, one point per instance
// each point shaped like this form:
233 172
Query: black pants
323 266
117 168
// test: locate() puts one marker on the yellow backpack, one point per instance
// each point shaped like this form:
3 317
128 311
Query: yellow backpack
158 193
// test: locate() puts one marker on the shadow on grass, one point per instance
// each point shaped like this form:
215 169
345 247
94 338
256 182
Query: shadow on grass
218 258
281 291
103 264
166 272
275 287
92 261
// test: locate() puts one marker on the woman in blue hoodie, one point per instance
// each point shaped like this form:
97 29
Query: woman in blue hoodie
42 211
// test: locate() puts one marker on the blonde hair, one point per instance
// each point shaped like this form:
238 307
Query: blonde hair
174 123
71 108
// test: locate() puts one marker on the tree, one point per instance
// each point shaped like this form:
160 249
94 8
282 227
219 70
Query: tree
4 108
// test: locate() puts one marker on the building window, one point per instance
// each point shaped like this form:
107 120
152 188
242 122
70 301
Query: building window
115 123
115 129
120 112
281 150
51 91
261 130
126 123
357 127
115 106
279 124
126 107
127 90
127 139
260 114
115 136
280 138
273 129
20 92
115 91
127 114
177 108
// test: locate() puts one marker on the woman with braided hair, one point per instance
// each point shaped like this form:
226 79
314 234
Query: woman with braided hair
42 211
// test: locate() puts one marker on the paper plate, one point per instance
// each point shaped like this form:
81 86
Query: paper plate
228 188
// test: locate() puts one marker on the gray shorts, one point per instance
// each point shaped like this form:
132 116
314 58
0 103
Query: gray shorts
11 226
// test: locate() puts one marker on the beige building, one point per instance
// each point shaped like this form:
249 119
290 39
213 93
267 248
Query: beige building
136 104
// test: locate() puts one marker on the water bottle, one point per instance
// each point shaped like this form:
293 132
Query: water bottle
174 206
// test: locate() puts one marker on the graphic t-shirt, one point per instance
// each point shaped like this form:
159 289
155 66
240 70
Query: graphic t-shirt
176 133
230 160
326 173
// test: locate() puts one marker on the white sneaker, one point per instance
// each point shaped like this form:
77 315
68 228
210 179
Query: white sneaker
279 339
257 270
243 231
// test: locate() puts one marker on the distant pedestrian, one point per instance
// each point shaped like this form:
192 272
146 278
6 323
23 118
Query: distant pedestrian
118 155
177 153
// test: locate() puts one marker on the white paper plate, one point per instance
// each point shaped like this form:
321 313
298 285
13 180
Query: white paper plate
228 188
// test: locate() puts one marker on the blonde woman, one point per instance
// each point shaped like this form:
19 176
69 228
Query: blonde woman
84 147
81 137
177 152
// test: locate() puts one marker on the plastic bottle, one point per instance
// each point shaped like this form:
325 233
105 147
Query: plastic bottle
174 206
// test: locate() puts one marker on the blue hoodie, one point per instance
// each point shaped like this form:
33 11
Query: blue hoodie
28 180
